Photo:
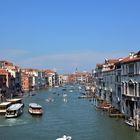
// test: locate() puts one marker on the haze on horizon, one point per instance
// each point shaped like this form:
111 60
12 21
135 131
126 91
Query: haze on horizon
65 35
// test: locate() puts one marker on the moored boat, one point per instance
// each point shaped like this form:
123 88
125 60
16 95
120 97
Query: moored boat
15 100
35 109
14 110
129 122
4 106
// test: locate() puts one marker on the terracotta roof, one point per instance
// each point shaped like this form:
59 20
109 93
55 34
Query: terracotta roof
99 65
49 71
127 60
3 71
111 61
7 63
24 74
3 61
30 70
135 57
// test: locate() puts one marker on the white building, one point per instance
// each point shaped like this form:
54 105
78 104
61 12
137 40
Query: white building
131 84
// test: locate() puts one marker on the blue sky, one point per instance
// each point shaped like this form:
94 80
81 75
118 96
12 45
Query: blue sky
65 34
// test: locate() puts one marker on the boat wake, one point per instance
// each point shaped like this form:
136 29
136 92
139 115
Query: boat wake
13 122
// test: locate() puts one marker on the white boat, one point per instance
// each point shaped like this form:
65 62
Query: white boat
49 100
129 122
14 110
4 106
65 138
14 101
79 88
35 109
71 91
64 89
65 100
64 95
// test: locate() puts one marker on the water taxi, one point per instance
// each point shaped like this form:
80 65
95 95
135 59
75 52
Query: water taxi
15 100
35 109
14 110
4 106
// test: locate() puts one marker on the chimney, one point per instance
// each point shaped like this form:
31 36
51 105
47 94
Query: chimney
120 59
131 54
106 61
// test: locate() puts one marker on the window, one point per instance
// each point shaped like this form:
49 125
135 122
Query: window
139 89
131 68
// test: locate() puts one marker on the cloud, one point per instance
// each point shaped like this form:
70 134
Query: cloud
69 61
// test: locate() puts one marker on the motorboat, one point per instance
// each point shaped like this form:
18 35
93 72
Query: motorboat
65 138
65 100
50 100
79 88
35 109
15 100
14 110
129 122
65 95
71 91
4 106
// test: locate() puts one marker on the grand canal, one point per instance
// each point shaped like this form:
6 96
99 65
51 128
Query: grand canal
70 116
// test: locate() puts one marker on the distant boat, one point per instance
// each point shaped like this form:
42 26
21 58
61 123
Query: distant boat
71 91
65 100
79 88
64 95
64 89
14 110
35 109
49 100
65 138
33 94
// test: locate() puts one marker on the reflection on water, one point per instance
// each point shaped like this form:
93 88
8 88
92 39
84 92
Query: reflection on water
12 122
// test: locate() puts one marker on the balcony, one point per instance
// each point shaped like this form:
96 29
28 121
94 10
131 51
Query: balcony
131 74
131 97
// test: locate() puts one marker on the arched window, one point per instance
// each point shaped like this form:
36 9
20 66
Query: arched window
131 87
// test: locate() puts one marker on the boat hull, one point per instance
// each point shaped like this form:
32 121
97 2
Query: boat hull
35 113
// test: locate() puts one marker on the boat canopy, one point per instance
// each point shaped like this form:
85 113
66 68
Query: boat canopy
5 103
14 107
14 100
35 105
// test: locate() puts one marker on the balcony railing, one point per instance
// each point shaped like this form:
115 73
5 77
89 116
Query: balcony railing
130 95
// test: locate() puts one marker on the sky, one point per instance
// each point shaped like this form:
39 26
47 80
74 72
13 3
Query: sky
68 34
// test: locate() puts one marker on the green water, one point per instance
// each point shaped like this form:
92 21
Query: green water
77 118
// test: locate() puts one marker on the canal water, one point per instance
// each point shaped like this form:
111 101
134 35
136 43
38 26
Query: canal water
65 115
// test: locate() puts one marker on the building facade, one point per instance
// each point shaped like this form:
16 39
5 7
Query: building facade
118 83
